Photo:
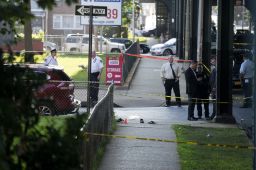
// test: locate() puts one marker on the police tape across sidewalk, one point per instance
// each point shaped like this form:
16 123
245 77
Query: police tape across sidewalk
157 58
172 141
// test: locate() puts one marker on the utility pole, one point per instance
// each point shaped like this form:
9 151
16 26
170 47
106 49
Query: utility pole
133 21
254 96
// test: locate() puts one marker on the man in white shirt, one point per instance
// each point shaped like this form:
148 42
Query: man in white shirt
170 73
246 75
96 70
51 59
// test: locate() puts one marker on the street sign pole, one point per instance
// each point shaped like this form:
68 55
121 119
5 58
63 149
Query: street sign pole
90 11
89 58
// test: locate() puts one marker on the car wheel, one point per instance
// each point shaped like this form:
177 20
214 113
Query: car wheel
152 35
167 52
45 108
146 50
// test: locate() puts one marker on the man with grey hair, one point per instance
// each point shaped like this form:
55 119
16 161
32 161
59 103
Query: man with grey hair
170 73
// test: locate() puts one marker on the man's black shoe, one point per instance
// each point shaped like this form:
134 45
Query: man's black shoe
167 105
211 117
151 122
192 119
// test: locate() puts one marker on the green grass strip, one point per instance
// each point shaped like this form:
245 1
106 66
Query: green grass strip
209 156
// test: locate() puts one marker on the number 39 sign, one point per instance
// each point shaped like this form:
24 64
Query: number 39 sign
114 13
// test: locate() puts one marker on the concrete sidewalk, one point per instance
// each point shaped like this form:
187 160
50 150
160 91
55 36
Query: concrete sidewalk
123 153
141 154
143 101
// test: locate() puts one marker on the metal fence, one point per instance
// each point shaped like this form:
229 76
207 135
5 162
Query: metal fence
129 60
56 39
99 121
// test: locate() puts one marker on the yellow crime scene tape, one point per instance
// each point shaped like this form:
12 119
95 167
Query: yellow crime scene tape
239 99
172 141
172 97
243 43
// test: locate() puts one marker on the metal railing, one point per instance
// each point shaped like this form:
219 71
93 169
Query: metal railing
130 60
99 121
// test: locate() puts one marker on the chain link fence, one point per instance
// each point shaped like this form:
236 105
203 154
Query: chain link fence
99 121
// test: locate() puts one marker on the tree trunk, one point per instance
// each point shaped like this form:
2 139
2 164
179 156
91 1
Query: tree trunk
28 39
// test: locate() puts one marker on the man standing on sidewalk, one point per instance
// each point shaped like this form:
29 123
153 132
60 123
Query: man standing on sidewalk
96 70
246 75
203 91
170 73
191 89
212 82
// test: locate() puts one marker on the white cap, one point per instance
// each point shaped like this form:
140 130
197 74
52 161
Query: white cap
53 49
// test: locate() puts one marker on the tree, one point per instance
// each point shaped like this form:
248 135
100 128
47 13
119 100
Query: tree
16 12
28 37
20 142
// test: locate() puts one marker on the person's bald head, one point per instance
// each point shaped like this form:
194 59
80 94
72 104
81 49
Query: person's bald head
171 59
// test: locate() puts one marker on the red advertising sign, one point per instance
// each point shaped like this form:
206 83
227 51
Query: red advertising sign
114 71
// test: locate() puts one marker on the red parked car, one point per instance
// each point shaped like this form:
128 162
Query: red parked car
56 96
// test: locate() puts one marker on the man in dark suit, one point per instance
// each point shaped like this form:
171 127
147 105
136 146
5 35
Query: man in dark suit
203 91
191 89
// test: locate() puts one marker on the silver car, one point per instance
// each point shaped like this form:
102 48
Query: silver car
168 48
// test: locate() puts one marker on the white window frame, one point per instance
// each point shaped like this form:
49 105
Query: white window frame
61 22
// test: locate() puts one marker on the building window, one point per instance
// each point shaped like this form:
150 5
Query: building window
66 22
78 22
57 22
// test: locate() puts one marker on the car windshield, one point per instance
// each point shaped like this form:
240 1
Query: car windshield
170 42
72 40
116 40
85 40
103 39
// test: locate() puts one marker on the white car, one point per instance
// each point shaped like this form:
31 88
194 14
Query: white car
49 45
73 42
104 45
168 48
